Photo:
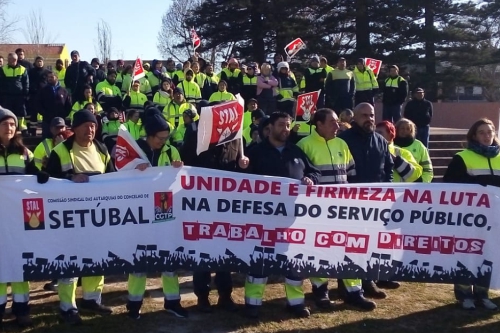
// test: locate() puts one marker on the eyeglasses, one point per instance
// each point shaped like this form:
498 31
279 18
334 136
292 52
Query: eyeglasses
162 138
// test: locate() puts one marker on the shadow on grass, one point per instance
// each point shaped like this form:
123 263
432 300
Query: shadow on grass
445 319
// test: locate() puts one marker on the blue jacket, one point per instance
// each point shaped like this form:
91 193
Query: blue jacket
371 155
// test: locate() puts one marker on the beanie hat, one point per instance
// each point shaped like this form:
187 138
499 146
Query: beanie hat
315 59
5 113
154 124
38 58
389 127
258 114
283 64
263 124
82 117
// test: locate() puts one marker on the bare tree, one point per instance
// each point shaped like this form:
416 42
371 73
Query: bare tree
174 39
7 25
104 41
36 32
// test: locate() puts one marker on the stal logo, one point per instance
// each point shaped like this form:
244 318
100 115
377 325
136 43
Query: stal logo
33 214
164 210
228 123
307 106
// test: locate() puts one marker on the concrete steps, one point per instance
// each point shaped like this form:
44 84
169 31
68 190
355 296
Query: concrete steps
442 147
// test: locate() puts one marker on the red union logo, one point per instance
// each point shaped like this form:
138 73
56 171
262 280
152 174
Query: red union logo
307 107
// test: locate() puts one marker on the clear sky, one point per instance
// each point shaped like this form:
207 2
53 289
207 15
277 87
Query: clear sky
134 24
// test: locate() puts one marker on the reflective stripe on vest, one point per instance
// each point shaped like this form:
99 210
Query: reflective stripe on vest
48 149
67 157
13 164
478 165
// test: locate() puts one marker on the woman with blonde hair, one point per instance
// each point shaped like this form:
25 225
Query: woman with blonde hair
479 163
406 132
266 94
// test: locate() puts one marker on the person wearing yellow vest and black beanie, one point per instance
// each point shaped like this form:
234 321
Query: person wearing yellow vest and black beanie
406 138
366 84
190 88
249 83
256 117
395 93
478 164
17 160
14 90
212 79
42 151
77 159
332 157
159 153
233 76
315 77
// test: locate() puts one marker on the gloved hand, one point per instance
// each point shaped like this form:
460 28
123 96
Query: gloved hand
42 177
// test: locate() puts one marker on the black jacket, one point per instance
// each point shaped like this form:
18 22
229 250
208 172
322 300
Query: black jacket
371 155
26 64
38 79
77 75
188 148
54 168
152 155
53 102
292 162
419 111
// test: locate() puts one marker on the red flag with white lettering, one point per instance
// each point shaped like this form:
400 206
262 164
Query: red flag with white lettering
220 124
294 47
306 106
374 64
128 154
138 70
195 39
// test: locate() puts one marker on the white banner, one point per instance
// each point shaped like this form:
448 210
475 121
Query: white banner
200 219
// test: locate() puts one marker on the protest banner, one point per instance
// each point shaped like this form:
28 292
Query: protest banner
163 219
220 124
195 39
374 64
294 47
128 154
306 106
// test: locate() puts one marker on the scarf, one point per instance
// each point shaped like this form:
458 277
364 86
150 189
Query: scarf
486 151
403 142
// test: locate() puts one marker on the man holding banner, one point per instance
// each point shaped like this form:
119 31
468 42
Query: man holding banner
332 157
276 156
76 159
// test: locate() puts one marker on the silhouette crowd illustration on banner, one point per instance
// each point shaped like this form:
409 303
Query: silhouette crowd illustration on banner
263 260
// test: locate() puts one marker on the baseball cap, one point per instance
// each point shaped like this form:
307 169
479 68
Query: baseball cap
57 122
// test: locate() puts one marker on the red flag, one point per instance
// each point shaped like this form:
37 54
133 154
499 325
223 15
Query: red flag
128 154
138 70
294 47
306 106
195 39
220 124
374 64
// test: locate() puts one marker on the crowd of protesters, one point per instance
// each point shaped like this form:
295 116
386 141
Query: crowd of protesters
342 144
